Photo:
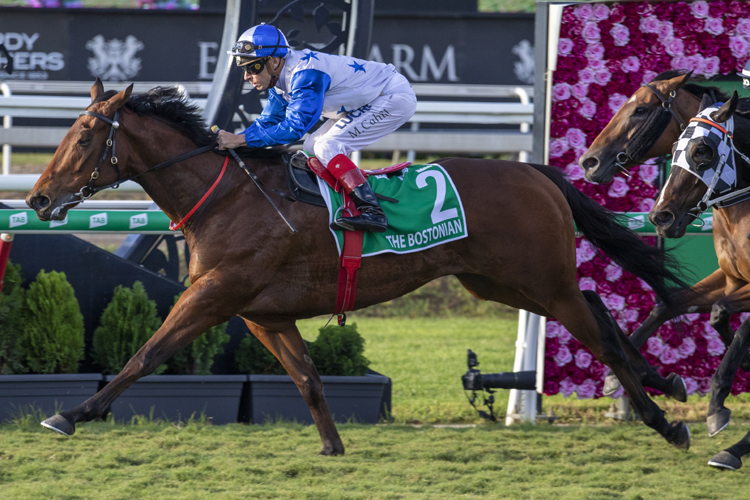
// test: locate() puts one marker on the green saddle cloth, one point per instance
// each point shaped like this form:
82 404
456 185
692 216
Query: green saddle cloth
429 211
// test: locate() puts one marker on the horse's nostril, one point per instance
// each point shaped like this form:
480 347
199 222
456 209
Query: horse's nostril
662 218
589 162
39 202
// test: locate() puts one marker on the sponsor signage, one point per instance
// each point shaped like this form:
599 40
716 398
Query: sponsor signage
87 221
80 45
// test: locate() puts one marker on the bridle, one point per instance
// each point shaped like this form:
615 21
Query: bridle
635 149
730 198
89 190
113 126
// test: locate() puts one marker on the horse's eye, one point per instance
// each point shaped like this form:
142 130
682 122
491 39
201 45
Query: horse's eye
84 141
701 150
639 111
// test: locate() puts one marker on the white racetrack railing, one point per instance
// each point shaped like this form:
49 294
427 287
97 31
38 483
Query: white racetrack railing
486 138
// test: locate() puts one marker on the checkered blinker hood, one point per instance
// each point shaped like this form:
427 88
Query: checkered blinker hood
720 174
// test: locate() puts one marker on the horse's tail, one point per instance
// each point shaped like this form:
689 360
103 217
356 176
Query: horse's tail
604 229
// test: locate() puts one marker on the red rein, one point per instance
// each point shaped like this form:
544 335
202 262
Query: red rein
175 227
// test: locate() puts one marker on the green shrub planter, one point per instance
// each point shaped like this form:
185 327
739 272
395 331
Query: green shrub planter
48 393
365 399
178 397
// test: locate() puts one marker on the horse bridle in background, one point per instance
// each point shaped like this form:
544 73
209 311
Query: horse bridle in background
649 132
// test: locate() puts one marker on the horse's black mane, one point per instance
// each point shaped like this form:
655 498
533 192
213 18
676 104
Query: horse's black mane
171 106
743 107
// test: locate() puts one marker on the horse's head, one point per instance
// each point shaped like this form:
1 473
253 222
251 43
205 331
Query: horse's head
703 168
83 159
642 128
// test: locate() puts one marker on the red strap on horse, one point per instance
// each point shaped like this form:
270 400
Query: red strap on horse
351 259
351 254
6 242
175 227
322 172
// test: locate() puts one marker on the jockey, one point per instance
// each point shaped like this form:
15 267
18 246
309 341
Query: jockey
363 101
745 74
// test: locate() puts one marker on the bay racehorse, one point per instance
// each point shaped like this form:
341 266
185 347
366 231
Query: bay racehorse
710 168
646 125
520 250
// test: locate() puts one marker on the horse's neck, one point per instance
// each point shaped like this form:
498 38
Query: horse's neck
176 188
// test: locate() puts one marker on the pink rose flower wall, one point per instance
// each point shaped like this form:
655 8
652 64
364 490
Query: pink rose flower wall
606 52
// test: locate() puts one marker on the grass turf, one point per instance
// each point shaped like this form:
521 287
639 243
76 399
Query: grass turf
195 461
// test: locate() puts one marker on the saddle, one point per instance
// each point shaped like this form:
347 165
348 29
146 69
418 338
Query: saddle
303 183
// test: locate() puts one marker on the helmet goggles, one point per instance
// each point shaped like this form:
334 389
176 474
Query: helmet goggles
253 67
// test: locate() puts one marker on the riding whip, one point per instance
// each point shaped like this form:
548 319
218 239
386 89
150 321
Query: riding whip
254 178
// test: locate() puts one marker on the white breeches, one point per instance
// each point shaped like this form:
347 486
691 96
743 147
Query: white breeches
366 125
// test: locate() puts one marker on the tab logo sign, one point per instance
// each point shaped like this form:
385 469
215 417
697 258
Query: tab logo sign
98 220
19 219
139 220
58 223
636 222
708 224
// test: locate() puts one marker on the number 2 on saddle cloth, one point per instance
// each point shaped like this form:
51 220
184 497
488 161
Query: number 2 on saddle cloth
351 255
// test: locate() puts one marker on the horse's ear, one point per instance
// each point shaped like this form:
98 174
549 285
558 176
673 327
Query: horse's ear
705 102
96 89
726 110
680 81
119 99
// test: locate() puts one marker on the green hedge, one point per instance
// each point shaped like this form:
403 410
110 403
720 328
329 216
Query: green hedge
338 350
52 337
128 322
12 319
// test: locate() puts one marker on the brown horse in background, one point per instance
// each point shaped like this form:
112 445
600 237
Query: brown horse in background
682 199
520 250
646 125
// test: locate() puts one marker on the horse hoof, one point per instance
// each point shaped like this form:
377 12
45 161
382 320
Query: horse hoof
680 436
330 451
679 389
725 460
611 384
718 421
60 424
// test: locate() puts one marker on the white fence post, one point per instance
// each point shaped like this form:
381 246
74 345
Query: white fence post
523 156
522 405
7 123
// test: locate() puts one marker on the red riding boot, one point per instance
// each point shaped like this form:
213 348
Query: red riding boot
355 185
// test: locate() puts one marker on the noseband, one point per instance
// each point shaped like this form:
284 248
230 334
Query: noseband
649 132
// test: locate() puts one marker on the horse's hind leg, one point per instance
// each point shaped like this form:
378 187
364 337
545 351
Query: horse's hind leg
672 386
698 299
731 458
285 342
588 320
721 382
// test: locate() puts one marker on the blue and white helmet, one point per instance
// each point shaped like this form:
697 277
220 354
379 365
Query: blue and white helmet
259 41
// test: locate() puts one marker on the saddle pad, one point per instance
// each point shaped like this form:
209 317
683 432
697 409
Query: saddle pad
429 211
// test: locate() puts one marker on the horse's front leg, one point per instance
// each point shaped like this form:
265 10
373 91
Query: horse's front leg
721 383
198 309
285 342
697 299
